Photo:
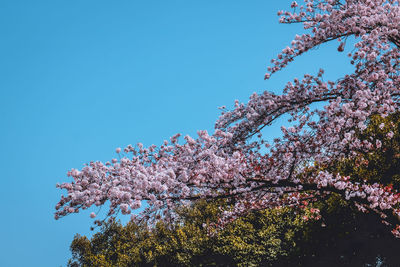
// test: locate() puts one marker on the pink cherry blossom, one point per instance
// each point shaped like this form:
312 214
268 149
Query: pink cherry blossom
232 162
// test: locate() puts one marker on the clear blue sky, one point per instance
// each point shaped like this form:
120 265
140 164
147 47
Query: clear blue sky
79 78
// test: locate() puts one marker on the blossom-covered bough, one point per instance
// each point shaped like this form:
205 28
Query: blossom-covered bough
238 164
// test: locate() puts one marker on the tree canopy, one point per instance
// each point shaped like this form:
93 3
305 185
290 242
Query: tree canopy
263 237
237 164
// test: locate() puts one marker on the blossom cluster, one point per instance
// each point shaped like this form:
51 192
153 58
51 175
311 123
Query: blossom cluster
237 163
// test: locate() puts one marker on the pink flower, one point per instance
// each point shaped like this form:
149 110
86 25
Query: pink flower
378 144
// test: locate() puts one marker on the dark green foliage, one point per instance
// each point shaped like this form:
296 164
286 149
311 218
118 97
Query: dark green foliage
278 237
260 238
347 237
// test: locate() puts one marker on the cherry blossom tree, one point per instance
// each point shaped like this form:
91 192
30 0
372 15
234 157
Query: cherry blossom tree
236 163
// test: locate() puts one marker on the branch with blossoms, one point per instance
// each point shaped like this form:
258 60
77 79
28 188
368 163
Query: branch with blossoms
237 163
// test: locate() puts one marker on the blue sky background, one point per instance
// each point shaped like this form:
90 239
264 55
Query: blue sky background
80 78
